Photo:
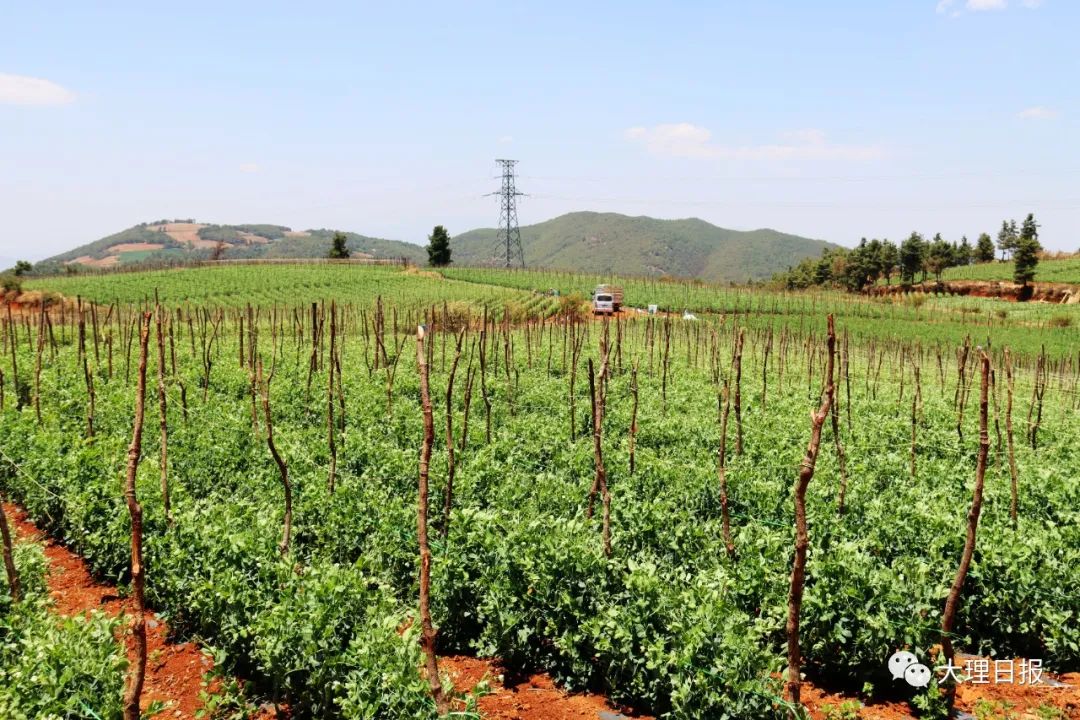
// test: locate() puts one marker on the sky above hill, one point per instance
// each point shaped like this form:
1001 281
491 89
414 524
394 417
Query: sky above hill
835 119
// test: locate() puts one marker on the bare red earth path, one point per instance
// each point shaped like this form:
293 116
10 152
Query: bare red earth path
174 671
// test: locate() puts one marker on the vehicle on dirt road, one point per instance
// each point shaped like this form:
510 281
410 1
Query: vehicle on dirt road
607 299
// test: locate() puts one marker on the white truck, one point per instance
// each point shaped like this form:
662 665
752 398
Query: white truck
607 299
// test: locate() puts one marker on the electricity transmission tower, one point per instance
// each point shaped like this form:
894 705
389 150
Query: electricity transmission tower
508 237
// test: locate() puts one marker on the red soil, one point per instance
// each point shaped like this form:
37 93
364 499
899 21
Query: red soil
818 701
134 247
1022 702
252 239
1025 699
532 698
105 262
1057 293
185 234
173 671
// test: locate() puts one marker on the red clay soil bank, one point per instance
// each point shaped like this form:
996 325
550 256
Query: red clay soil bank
1058 293
173 671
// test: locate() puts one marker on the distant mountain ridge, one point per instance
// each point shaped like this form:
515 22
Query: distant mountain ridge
183 240
613 243
584 241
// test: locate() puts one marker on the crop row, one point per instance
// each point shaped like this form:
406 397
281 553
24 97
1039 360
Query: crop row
667 621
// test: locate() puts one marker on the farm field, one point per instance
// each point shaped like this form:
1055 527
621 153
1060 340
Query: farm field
239 285
647 599
929 319
926 318
1064 270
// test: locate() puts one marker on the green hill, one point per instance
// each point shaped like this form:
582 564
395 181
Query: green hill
612 243
183 240
583 241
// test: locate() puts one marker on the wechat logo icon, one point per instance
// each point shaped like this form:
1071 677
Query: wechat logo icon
904 664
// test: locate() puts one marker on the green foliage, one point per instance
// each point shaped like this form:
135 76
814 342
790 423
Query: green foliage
876 260
963 254
847 710
1060 270
270 232
835 267
315 242
1026 252
52 667
888 259
284 284
332 627
1007 237
896 317
101 248
22 267
1025 259
939 256
594 242
993 710
338 248
912 257
236 234
984 249
277 245
221 233
668 622
932 704
438 247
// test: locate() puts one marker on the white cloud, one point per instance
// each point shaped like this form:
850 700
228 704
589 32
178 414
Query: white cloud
250 168
1038 112
23 90
950 6
693 141
506 139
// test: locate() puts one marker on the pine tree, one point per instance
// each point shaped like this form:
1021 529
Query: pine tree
1006 239
438 248
963 253
858 267
938 257
912 255
889 259
984 249
338 248
873 260
1026 254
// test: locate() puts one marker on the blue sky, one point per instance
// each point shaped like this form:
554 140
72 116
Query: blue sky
832 119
